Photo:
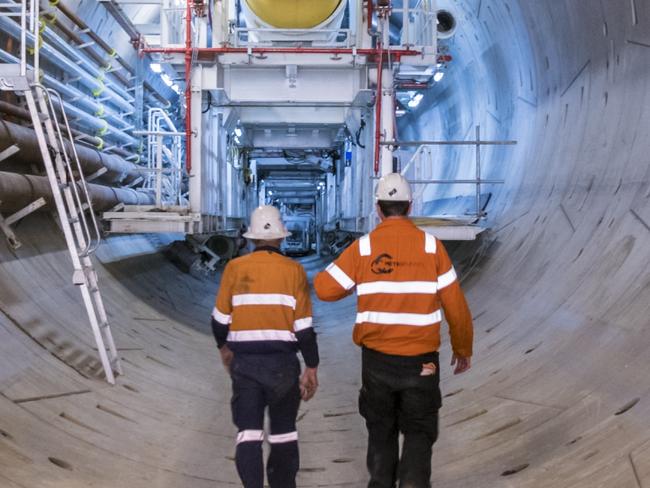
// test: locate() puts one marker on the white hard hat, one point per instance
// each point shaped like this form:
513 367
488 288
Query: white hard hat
266 224
393 187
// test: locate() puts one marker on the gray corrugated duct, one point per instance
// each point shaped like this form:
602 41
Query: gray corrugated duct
89 140
18 191
119 170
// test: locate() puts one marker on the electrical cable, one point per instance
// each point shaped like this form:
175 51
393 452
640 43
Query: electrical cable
362 125
209 103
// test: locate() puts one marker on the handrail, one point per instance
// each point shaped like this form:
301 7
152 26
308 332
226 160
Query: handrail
158 153
419 154
90 243
82 179
22 38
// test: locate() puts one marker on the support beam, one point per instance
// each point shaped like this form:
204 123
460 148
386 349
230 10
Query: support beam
24 212
6 223
7 153
12 240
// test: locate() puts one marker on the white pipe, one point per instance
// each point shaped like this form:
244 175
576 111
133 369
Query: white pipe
13 29
387 121
81 99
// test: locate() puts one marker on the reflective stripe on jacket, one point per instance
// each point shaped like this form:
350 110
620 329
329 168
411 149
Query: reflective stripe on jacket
264 305
403 277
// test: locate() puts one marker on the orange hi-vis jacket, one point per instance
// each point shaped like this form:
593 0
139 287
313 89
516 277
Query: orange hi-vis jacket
403 276
263 307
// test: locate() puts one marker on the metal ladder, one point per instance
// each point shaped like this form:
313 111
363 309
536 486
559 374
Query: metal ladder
72 201
64 172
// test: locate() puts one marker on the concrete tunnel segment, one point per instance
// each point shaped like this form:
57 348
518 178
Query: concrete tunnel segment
559 395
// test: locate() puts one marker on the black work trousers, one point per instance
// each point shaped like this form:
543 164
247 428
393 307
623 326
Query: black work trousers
260 381
395 397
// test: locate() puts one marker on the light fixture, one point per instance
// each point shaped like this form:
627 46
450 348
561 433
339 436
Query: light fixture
438 76
155 67
415 101
238 132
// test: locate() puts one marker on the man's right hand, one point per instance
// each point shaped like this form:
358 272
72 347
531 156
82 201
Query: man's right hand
308 383
462 364
226 357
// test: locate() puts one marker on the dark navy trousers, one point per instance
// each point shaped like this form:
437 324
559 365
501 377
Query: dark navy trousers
260 381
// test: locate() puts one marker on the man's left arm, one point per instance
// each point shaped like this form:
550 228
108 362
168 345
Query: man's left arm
306 336
222 316
456 311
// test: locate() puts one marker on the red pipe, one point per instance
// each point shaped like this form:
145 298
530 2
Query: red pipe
284 50
188 88
369 20
412 86
380 67
187 50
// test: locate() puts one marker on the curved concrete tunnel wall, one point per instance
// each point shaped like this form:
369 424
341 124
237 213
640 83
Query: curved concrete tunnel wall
559 288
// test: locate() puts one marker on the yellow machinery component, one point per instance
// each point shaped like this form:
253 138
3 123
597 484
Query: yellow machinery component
293 14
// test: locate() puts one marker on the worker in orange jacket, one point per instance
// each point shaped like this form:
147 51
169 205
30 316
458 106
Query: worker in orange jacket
403 277
262 317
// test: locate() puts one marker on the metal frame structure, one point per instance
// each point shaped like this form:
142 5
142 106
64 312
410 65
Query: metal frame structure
294 57
416 162
165 150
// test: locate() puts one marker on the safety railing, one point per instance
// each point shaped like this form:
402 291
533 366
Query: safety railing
172 23
24 11
419 23
80 204
164 172
420 168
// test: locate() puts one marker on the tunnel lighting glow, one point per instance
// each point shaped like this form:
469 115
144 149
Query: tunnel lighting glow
155 67
238 132
167 79
415 101
438 76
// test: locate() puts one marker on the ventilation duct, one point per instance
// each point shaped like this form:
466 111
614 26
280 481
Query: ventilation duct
446 24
